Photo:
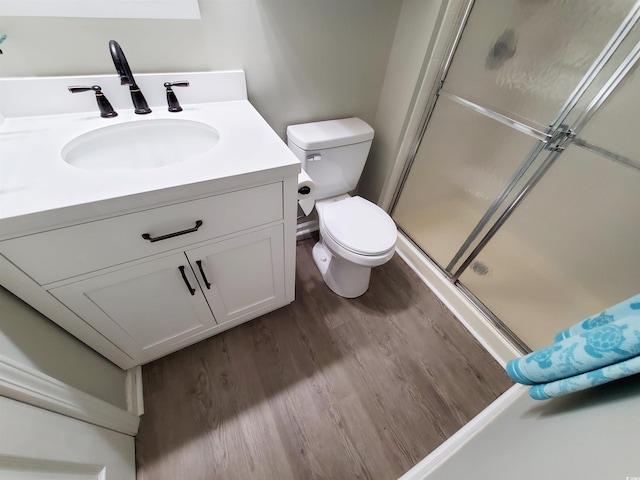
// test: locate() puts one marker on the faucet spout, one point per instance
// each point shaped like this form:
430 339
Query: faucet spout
121 64
126 78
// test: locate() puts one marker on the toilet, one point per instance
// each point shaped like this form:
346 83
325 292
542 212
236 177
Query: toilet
355 234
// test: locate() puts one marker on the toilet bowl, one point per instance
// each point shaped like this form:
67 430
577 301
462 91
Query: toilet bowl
355 236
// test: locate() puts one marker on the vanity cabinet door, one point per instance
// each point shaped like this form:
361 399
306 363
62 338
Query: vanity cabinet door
242 277
150 309
146 310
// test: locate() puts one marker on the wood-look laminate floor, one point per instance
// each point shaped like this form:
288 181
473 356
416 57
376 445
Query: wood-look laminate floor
324 388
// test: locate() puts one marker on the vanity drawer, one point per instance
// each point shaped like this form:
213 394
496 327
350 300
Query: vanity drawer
70 251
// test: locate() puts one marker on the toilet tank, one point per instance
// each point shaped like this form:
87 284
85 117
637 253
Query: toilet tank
332 152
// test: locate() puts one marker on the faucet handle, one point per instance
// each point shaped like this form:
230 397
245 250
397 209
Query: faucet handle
181 83
79 89
172 100
106 110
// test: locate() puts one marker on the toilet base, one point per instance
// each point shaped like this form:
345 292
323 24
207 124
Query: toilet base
343 277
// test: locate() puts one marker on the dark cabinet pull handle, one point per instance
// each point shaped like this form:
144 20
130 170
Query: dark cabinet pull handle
204 277
147 236
192 291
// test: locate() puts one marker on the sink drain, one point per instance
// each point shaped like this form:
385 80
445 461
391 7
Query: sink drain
480 268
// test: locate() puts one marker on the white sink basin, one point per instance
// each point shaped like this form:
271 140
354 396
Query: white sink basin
140 145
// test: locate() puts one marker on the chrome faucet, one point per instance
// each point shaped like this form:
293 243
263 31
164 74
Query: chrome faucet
126 78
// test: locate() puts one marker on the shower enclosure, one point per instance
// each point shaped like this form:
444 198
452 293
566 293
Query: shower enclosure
525 183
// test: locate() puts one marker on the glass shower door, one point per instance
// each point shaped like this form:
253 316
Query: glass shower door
502 91
459 170
538 248
571 248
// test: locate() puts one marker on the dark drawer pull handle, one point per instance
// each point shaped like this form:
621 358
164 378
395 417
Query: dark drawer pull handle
192 291
204 277
147 236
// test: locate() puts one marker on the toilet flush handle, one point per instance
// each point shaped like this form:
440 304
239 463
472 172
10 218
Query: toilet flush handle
314 157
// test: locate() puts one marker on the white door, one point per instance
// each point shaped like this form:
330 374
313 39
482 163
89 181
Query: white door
143 309
242 276
36 444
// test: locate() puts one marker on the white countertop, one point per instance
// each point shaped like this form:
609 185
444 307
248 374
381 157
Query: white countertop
39 190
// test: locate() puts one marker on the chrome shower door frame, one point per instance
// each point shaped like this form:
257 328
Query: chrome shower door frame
555 139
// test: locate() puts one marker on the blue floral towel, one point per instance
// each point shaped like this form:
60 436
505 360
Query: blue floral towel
586 380
595 348
630 306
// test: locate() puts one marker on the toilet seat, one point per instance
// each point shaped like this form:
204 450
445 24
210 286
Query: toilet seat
360 227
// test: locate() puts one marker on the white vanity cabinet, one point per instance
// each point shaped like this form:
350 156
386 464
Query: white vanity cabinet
152 281
157 306
97 247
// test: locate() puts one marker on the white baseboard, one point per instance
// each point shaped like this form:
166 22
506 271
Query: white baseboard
27 385
133 390
431 462
469 315
306 228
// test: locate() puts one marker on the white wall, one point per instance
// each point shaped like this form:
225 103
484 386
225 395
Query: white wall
590 435
411 56
28 337
305 60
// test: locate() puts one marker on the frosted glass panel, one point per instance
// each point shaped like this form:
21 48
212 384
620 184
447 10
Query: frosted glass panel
464 162
617 58
614 127
570 250
525 58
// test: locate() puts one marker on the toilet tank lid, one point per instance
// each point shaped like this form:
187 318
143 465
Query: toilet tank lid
330 133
